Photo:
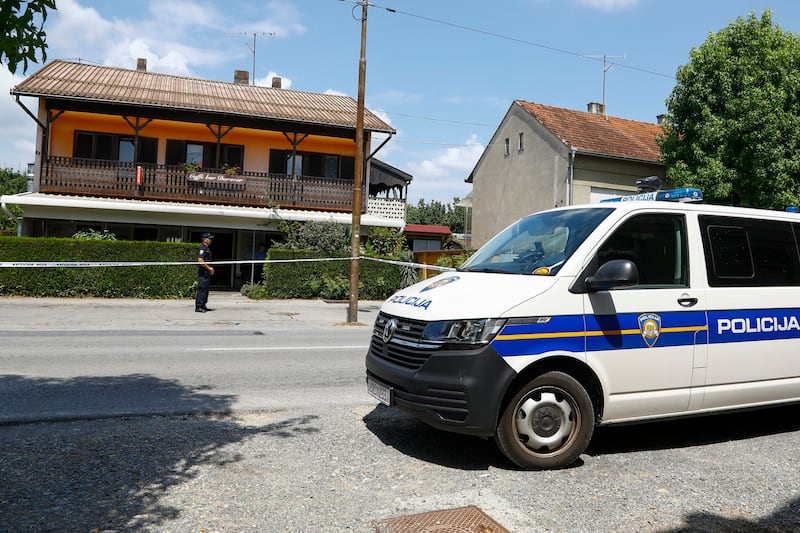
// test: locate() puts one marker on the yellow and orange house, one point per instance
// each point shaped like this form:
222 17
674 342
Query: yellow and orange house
151 156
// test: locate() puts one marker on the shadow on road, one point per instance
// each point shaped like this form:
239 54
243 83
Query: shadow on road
109 473
786 518
695 431
417 439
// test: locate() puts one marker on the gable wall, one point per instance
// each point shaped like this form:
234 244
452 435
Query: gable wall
507 187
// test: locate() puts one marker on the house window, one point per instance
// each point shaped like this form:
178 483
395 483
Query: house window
126 150
311 164
109 147
521 147
194 153
507 147
179 152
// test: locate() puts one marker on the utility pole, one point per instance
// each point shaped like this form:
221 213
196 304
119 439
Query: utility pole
358 178
252 48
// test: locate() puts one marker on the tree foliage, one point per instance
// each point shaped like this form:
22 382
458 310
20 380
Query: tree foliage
22 33
11 183
733 125
436 213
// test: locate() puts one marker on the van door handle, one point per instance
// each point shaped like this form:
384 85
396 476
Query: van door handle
686 301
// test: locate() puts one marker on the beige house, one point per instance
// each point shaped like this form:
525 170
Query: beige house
542 157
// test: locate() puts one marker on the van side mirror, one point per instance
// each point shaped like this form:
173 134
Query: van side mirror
614 274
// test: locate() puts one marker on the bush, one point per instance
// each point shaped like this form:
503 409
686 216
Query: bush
158 281
322 279
315 236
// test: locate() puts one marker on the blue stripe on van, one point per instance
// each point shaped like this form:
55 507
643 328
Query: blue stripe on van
620 332
601 332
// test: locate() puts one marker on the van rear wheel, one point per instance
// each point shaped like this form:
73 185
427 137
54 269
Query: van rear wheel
547 424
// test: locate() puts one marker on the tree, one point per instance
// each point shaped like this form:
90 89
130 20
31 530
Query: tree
22 31
437 214
733 124
11 183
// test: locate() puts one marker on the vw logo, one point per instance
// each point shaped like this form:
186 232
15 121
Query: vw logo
389 329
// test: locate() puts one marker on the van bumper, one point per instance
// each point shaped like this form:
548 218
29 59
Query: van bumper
453 390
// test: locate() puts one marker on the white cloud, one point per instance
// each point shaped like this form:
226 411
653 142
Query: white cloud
73 31
286 83
442 176
609 5
18 135
173 35
455 159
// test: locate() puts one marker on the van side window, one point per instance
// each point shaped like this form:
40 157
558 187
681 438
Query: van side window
656 243
748 252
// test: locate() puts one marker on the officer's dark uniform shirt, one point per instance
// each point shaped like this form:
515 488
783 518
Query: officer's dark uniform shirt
205 254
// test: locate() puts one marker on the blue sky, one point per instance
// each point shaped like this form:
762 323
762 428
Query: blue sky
443 73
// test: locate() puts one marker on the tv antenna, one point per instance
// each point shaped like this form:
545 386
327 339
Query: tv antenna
255 34
606 67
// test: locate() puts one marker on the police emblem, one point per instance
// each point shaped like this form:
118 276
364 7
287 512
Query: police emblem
650 328
441 282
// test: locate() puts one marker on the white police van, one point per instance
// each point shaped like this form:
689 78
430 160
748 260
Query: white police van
598 314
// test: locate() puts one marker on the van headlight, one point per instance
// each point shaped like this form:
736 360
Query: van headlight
463 332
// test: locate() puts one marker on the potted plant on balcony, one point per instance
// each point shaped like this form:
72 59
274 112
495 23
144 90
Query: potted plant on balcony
230 170
191 167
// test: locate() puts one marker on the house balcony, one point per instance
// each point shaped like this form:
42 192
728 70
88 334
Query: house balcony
93 177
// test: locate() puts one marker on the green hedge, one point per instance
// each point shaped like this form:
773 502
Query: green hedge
177 281
323 279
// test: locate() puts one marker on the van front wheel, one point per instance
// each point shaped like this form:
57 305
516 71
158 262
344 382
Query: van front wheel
547 424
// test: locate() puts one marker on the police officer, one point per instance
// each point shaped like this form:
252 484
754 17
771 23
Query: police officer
204 273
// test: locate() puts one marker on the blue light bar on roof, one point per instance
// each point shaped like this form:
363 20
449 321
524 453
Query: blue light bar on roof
672 195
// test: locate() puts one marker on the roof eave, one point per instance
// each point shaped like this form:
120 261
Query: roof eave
120 107
616 157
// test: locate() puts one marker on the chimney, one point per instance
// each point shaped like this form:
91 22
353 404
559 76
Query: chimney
141 64
241 77
276 82
661 119
597 108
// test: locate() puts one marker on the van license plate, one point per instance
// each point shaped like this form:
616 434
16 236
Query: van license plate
379 391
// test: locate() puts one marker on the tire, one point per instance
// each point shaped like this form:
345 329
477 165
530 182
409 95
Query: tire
547 424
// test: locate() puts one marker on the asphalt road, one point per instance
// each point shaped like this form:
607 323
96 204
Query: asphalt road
126 415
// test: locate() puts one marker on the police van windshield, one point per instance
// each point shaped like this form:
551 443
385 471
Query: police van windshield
538 244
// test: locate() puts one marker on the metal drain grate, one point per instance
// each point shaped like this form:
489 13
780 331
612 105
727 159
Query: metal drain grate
469 519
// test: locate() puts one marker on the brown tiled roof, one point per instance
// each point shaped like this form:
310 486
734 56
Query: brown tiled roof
425 228
110 85
593 133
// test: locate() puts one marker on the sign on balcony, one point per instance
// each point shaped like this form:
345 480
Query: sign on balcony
229 179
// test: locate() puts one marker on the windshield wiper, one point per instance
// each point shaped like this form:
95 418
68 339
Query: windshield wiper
489 269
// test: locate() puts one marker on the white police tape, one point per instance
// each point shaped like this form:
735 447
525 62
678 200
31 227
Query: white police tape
93 264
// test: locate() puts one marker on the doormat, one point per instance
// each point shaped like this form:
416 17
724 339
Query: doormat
470 519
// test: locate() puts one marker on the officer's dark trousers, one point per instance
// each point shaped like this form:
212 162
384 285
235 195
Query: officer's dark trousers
203 284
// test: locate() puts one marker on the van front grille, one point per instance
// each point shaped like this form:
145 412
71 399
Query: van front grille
405 347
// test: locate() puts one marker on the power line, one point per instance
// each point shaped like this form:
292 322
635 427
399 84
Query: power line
520 41
432 119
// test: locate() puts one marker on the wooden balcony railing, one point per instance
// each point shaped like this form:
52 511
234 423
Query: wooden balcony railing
93 177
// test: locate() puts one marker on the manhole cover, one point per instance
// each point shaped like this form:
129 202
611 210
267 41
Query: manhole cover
469 519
